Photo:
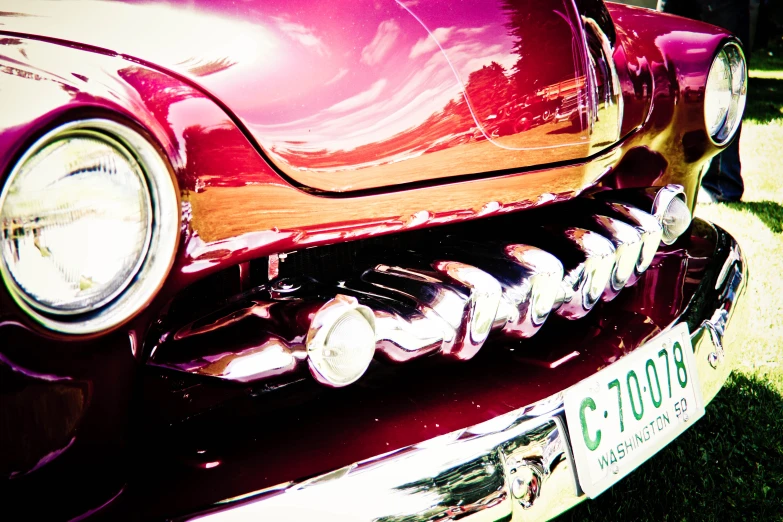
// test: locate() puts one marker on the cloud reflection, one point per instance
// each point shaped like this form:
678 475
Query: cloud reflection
362 99
430 43
303 35
382 43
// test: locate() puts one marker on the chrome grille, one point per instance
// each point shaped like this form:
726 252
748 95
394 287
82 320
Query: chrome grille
424 293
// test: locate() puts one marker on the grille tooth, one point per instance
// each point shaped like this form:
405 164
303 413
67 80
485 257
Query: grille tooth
446 303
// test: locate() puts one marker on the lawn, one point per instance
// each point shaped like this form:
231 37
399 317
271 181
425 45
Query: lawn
730 465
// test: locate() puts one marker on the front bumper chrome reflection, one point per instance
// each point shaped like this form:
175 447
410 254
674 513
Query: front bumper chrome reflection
475 474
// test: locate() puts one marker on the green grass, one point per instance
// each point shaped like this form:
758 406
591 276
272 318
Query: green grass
770 59
765 97
730 465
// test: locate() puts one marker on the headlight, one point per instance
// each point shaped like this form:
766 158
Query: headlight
341 341
77 220
89 224
725 93
671 211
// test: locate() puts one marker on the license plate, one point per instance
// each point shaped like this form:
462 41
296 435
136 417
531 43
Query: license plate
625 413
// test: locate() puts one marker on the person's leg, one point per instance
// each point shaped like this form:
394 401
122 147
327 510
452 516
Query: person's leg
724 179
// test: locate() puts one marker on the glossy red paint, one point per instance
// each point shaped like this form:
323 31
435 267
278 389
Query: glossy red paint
237 206
381 93
91 468
667 55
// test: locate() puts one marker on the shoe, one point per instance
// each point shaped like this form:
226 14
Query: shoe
706 197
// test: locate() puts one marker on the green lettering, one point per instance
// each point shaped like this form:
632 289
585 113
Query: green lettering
612 457
603 462
591 443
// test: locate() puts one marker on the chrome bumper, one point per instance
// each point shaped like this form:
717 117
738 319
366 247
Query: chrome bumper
516 465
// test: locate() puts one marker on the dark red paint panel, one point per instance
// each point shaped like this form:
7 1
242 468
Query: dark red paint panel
350 97
69 432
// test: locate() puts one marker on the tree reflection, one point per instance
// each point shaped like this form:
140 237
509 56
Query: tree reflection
468 488
545 85
534 30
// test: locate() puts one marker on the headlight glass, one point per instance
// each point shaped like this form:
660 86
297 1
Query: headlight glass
76 223
725 93
675 220
348 349
717 98
341 342
671 211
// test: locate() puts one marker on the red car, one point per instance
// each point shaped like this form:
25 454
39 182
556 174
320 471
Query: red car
250 273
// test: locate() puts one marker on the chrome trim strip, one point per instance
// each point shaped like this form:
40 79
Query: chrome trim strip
517 464
403 334
271 357
485 294
256 353
529 278
445 299
445 302
545 276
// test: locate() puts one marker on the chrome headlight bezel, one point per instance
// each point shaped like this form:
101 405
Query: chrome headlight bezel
665 198
155 260
738 80
325 321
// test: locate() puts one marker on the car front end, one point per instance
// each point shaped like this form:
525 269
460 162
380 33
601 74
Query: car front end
256 268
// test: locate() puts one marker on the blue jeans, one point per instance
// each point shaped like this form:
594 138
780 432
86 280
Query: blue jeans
723 177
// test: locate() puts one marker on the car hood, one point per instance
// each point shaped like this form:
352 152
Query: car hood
356 95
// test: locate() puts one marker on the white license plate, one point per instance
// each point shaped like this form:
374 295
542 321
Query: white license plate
625 413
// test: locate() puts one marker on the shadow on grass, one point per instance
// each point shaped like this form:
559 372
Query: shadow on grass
765 99
769 212
729 466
